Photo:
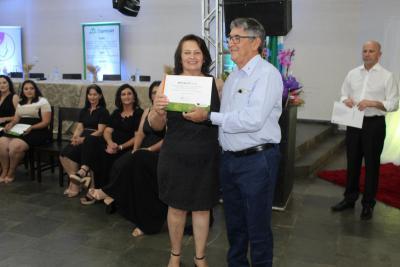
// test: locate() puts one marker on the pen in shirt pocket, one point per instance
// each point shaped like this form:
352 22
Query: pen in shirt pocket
242 91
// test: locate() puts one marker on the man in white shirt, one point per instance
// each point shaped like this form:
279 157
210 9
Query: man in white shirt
372 88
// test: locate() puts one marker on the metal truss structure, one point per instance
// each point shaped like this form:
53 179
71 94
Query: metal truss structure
212 31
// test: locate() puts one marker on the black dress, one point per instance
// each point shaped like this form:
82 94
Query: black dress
124 129
7 108
134 185
90 121
189 162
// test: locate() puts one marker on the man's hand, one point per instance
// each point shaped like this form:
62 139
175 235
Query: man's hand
349 102
196 115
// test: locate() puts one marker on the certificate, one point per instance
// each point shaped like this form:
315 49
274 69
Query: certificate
344 115
187 92
18 129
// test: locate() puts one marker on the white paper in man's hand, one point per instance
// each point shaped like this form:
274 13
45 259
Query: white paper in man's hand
344 115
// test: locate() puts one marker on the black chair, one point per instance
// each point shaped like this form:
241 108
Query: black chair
111 77
36 75
72 76
54 148
16 75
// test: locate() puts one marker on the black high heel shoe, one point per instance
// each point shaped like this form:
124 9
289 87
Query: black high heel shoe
111 208
198 259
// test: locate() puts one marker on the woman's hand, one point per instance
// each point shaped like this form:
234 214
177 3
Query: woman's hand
8 126
112 148
77 140
161 101
28 130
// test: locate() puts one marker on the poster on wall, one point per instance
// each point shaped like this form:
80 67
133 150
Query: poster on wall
10 49
101 48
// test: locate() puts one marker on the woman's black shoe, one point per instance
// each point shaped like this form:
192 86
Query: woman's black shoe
111 208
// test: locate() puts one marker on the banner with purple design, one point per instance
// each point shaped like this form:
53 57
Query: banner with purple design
10 49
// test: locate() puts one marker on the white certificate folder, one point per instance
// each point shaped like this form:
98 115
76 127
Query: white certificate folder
344 115
187 92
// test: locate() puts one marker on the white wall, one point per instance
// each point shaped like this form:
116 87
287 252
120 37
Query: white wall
327 36
52 31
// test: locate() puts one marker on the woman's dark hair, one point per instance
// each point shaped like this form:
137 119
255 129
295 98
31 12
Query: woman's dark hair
10 83
102 102
151 88
118 101
23 99
205 68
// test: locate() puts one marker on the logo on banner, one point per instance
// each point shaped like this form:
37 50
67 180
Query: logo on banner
7 46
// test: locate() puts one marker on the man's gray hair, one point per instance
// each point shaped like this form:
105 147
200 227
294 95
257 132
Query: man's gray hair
252 27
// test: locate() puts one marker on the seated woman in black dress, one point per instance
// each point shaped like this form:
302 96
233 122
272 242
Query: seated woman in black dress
74 158
119 136
34 110
8 100
133 188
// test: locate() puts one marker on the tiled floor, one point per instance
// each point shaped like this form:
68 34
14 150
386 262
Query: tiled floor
40 227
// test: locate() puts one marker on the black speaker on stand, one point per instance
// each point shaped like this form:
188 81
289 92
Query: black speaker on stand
274 15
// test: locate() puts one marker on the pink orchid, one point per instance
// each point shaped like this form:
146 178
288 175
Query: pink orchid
285 57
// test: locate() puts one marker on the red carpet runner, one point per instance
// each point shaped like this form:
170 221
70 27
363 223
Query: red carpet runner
389 182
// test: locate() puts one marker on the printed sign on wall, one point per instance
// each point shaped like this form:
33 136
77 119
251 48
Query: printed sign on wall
10 49
101 47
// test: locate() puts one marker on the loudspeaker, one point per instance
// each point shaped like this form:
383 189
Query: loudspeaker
274 15
127 7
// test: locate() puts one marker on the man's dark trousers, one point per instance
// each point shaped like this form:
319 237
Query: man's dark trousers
366 142
248 184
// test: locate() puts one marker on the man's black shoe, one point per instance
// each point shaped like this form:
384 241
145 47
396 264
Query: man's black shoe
366 213
343 205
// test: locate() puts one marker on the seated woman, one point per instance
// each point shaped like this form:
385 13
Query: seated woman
8 103
74 158
119 136
133 188
34 110
8 100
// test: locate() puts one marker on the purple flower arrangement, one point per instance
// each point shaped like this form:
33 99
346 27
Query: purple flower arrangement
291 87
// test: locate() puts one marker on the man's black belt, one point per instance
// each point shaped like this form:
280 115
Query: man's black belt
252 150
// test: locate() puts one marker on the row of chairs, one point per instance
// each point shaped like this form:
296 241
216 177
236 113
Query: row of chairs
52 149
78 76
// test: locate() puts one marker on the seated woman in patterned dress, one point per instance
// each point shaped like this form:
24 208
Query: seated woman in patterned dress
34 110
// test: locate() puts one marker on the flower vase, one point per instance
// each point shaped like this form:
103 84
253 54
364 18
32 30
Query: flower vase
26 75
95 79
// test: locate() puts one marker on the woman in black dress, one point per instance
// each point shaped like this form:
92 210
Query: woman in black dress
34 110
8 100
93 119
189 158
119 136
133 188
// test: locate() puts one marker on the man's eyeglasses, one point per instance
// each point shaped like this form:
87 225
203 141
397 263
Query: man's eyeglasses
236 38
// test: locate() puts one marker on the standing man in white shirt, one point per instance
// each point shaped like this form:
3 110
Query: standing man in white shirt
249 135
372 88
